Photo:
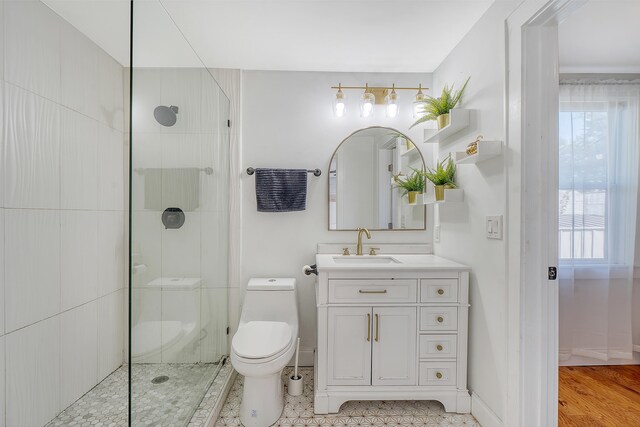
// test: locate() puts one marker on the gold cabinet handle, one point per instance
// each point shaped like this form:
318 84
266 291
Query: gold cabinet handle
440 319
368 326
439 375
377 327
439 347
365 291
441 291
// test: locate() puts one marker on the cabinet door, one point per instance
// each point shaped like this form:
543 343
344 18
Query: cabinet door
394 346
350 334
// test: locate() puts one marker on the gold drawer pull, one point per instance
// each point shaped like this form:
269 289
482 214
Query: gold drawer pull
368 326
440 319
439 347
377 327
439 375
440 291
364 291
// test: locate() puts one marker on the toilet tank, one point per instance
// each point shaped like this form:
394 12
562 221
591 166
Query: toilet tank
271 299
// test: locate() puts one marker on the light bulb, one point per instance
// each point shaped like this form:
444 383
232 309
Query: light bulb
392 110
392 103
367 108
418 105
366 102
339 105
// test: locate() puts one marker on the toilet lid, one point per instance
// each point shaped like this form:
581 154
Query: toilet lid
259 339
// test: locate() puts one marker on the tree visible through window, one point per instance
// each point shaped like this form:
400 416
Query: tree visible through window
583 174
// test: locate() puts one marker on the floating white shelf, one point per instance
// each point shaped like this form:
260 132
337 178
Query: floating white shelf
458 120
486 151
412 152
451 195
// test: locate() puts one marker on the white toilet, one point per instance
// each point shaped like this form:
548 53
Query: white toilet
262 347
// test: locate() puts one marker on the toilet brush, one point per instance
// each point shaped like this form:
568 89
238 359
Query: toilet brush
295 383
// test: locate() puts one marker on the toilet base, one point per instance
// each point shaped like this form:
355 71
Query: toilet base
262 400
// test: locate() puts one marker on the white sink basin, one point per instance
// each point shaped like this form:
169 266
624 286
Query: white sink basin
364 260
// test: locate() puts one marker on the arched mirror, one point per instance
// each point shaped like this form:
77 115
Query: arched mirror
363 175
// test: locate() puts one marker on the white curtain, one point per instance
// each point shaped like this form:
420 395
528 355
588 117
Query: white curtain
598 198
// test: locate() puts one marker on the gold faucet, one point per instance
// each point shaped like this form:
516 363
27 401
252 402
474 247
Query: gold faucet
359 247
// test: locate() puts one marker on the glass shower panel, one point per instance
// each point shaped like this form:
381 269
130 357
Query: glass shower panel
179 223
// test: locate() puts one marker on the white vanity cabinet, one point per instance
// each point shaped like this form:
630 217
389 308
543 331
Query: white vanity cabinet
394 333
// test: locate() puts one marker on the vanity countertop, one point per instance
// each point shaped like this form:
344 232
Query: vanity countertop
337 262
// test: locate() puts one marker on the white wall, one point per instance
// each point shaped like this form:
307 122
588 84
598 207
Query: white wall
62 245
462 227
288 123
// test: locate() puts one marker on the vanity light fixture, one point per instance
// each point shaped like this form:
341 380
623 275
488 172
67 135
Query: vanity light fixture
418 110
383 95
366 102
392 103
339 104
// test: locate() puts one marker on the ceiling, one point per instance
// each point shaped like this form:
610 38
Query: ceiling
601 37
297 35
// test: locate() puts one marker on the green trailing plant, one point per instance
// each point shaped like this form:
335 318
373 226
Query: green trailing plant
443 174
434 107
414 182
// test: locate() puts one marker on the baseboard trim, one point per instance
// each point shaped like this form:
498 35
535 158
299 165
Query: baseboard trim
222 398
485 416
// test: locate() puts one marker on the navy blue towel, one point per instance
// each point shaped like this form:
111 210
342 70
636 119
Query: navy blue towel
281 190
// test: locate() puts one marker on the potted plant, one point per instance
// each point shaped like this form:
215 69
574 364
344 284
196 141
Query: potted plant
442 177
404 137
412 185
438 108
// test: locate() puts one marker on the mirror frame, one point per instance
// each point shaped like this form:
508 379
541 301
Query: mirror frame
424 224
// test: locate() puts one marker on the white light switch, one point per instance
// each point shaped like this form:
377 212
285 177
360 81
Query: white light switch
494 227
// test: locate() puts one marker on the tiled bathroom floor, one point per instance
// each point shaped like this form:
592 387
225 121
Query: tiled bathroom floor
171 403
298 411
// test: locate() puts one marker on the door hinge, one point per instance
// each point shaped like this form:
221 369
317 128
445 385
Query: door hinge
390 168
227 330
553 273
228 123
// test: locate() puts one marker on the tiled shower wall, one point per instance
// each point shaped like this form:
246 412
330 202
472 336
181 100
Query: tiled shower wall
62 193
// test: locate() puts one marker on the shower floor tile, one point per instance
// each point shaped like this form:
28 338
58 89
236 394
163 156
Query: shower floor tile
169 403
298 411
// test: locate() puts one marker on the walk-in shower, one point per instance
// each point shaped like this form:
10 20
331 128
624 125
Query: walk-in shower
114 218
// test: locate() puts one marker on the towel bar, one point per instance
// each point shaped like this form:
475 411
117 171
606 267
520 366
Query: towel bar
316 172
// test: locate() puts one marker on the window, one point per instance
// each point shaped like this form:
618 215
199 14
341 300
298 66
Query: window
583 161
598 172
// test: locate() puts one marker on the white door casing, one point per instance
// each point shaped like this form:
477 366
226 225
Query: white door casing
532 141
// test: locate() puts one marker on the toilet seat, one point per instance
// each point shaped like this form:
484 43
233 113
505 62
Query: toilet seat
259 340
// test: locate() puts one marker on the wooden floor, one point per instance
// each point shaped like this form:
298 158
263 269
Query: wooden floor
594 396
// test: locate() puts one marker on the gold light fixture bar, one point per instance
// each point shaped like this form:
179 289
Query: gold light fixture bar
380 92
371 88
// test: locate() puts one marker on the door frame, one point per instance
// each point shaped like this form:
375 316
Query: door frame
531 106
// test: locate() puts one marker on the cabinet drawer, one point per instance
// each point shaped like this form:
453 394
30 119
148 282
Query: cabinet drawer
438 346
437 373
438 318
439 290
373 291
